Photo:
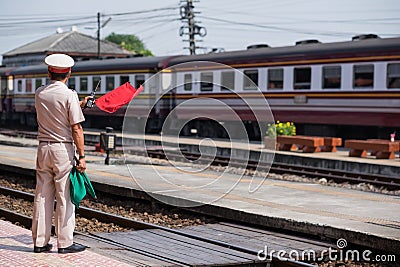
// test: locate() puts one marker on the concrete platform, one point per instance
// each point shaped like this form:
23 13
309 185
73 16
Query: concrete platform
339 160
361 218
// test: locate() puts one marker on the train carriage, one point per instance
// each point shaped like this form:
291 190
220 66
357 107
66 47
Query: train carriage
325 88
346 89
85 76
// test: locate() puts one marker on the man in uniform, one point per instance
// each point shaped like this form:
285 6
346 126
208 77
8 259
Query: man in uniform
59 115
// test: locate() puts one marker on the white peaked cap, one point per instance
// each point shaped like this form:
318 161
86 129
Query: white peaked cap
59 61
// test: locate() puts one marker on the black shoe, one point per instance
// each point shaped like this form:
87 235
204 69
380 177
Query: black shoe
48 247
72 249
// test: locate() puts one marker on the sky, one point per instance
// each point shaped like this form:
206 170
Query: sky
230 24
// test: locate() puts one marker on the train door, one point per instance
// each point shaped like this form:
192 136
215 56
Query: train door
10 94
3 93
168 96
6 95
6 85
168 93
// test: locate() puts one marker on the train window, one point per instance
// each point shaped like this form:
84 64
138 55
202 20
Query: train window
123 79
331 77
38 83
228 80
275 79
139 80
19 86
187 80
28 86
363 76
72 83
110 83
302 78
166 79
95 81
83 84
251 81
206 81
393 75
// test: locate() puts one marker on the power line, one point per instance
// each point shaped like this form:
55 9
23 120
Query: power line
142 11
13 24
16 20
146 19
39 22
277 28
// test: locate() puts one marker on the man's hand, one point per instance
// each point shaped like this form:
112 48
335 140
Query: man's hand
81 165
83 102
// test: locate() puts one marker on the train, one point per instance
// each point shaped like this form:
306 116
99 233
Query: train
349 89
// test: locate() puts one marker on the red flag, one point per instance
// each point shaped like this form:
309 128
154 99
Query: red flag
118 97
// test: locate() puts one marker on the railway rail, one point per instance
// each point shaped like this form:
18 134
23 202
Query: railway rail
138 225
337 176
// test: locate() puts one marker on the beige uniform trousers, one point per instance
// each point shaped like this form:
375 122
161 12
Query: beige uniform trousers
54 163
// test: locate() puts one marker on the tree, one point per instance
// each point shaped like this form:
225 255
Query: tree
129 42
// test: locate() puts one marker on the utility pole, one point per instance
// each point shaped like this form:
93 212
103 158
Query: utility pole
192 29
190 18
98 34
99 27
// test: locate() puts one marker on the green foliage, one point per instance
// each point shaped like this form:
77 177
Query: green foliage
129 42
281 128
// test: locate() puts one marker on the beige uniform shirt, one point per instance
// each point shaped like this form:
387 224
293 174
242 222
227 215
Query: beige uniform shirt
57 108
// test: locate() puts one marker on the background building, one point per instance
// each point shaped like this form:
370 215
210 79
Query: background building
77 45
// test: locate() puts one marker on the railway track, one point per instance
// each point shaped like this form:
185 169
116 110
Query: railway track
390 183
247 253
19 133
337 176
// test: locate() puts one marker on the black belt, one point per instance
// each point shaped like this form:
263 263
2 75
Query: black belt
55 142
